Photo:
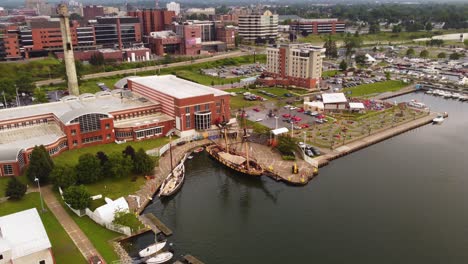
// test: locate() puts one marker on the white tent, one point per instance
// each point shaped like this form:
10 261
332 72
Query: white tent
356 106
105 213
279 131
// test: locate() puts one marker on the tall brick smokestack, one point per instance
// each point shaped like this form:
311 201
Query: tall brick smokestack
62 11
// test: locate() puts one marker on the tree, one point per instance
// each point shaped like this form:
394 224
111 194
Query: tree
77 197
388 75
441 55
455 56
125 218
331 50
237 40
63 176
102 157
97 59
428 26
360 59
24 83
396 29
465 42
343 65
88 169
119 165
40 96
15 190
143 163
129 151
40 164
410 52
424 54
304 33
352 42
7 86
374 28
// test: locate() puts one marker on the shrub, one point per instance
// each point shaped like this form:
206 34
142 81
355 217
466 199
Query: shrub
15 189
77 197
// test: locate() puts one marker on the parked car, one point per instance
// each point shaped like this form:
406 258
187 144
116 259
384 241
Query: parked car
315 113
296 118
288 95
309 153
256 109
304 125
95 260
301 144
319 121
286 115
316 151
300 110
308 112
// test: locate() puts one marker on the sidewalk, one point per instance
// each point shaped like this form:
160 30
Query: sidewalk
78 237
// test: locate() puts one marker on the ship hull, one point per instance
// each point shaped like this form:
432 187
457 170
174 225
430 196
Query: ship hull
213 155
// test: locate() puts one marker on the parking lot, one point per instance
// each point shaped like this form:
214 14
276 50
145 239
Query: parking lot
235 71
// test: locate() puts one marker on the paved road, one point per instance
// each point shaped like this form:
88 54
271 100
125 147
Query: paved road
149 68
78 237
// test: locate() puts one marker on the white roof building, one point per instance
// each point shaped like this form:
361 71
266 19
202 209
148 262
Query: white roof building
105 214
334 98
23 239
356 106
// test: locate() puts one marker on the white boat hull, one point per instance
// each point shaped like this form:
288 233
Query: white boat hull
160 258
150 250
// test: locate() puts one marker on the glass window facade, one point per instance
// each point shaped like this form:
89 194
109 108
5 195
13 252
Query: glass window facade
149 132
89 122
203 120
8 169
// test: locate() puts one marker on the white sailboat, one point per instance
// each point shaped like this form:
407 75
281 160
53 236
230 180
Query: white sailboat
160 258
151 249
438 120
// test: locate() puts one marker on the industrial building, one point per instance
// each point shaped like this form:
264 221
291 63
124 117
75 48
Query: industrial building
169 104
152 20
294 64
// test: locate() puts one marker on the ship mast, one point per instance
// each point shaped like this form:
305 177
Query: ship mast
170 150
246 142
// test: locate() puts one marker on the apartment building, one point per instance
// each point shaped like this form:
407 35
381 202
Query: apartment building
318 26
258 26
294 64
152 20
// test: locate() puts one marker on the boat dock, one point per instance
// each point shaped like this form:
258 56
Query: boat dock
192 260
155 224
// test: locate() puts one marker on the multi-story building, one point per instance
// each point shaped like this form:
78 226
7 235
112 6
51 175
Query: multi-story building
253 27
9 42
201 11
169 104
318 26
92 12
294 64
47 35
153 19
117 32
173 6
165 42
191 38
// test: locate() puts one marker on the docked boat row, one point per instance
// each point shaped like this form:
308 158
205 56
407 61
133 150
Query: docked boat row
174 180
153 254
447 94
417 104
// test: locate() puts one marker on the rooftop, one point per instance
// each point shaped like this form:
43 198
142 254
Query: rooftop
23 233
176 87
69 106
332 98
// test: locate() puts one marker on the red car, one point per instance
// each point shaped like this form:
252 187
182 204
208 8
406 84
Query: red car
256 110
305 126
286 115
300 110
321 116
296 118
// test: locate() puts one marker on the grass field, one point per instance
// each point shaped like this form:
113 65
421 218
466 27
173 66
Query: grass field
116 188
97 234
71 157
62 246
330 73
375 88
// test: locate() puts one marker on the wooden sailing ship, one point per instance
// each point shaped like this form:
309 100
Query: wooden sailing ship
240 162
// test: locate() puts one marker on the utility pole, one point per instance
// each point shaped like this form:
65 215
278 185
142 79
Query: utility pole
18 100
40 194
4 99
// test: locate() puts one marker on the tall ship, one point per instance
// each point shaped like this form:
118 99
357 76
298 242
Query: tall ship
235 160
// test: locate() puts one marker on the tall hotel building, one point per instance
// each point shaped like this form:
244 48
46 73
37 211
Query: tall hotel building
318 26
294 64
253 26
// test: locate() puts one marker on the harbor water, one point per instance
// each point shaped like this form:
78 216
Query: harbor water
404 200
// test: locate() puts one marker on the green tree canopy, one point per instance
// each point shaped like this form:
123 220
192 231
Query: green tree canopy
352 42
424 54
331 49
374 28
129 151
24 83
40 164
15 190
143 163
40 96
388 75
360 59
88 169
77 197
455 56
343 65
441 55
410 52
119 165
63 176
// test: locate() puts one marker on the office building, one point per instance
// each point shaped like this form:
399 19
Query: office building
153 20
92 12
117 32
318 26
253 27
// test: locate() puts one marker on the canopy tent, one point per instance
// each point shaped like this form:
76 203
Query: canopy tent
356 106
279 131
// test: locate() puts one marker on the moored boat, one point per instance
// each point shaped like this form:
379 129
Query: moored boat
160 258
198 150
151 249
174 180
438 120
235 161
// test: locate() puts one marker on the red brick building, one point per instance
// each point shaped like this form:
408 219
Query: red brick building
318 26
153 20
92 11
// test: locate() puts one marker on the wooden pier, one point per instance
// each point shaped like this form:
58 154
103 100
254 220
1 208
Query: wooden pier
158 224
192 260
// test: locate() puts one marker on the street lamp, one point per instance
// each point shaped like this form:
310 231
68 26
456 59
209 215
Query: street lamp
4 100
276 122
18 100
40 193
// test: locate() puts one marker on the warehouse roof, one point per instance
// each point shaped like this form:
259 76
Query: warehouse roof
176 87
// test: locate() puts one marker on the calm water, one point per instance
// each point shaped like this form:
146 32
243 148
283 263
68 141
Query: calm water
404 200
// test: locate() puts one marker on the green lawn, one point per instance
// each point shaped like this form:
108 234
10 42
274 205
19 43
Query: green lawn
115 188
375 88
71 157
62 246
98 235
205 79
330 73
238 101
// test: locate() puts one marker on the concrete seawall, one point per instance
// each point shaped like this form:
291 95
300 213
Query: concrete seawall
373 139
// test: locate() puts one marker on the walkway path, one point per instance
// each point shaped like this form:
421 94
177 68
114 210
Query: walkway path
78 237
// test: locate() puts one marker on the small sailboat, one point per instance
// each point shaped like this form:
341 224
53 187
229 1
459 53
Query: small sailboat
198 150
438 120
174 180
151 249
160 258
